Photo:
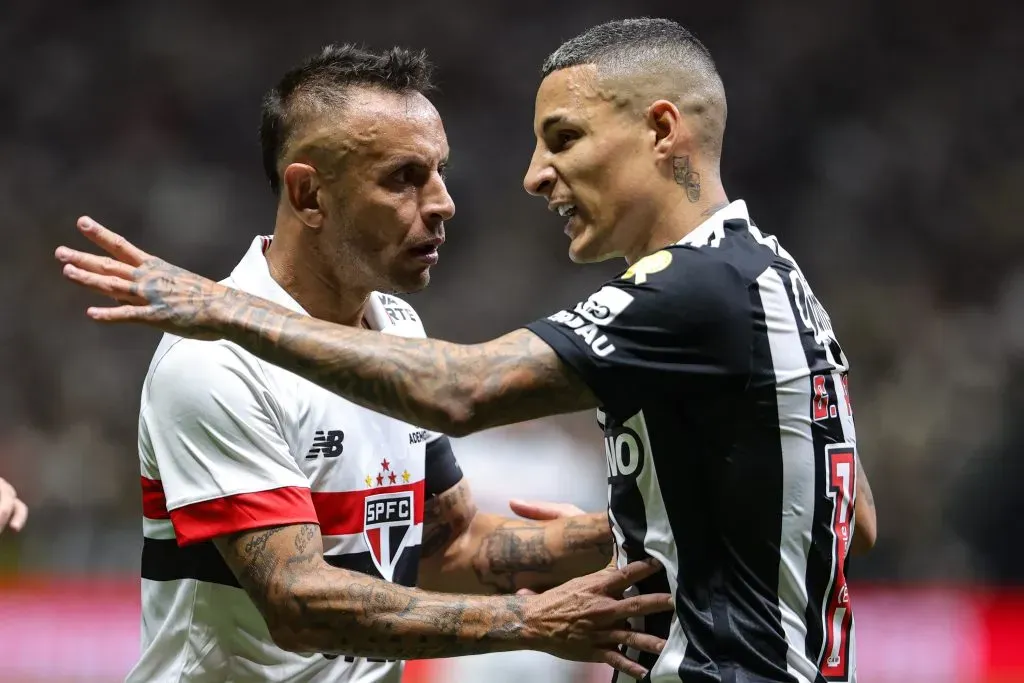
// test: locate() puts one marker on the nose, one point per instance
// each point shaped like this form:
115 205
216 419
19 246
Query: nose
439 205
540 176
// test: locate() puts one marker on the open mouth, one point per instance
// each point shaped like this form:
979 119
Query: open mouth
426 253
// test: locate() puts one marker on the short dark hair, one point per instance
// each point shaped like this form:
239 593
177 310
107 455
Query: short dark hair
324 80
626 40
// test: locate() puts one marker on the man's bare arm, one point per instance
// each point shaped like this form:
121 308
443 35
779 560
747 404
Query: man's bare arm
312 607
451 388
865 528
468 551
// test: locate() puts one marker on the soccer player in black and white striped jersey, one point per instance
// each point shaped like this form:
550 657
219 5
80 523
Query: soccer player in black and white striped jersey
719 381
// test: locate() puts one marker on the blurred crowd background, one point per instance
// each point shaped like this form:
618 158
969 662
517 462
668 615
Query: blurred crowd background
882 141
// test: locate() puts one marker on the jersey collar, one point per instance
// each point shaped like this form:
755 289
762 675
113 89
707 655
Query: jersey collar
713 226
252 275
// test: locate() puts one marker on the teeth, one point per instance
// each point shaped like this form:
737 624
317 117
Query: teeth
566 210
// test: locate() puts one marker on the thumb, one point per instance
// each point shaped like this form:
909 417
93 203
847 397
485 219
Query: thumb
543 511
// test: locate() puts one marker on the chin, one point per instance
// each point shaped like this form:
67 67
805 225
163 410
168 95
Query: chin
407 283
582 251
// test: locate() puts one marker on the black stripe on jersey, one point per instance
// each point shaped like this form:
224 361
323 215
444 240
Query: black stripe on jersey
165 560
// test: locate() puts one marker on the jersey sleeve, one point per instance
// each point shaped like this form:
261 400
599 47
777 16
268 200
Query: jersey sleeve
442 469
212 427
676 321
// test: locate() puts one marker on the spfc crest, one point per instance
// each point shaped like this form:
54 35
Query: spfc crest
388 521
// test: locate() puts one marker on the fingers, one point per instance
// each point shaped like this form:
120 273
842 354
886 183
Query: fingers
112 243
108 285
542 511
632 573
101 265
124 314
641 605
635 640
20 515
620 662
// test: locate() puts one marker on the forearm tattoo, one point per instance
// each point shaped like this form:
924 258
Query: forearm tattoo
312 607
446 387
538 555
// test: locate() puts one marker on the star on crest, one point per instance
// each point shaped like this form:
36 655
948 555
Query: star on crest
405 476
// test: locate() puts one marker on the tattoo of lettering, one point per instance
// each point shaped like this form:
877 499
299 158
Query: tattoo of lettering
684 175
311 607
512 549
445 517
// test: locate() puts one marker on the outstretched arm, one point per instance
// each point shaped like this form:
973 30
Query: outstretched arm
468 551
452 388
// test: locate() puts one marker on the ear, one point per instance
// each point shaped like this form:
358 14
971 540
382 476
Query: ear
300 186
669 129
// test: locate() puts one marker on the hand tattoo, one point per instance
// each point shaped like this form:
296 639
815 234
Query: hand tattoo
684 175
512 549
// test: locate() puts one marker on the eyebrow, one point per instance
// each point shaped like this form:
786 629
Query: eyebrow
551 120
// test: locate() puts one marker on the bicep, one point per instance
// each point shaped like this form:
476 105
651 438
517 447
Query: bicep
521 377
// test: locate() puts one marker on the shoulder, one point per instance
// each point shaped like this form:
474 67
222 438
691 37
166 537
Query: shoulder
685 277
402 318
187 372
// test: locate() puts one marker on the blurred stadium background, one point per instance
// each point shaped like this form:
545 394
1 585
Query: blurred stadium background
881 140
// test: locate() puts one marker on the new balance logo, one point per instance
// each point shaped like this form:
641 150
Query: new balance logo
329 444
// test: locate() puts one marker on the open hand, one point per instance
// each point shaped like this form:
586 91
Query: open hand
585 619
150 290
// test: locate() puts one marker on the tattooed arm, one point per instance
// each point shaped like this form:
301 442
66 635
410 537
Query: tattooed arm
450 388
312 607
865 528
473 552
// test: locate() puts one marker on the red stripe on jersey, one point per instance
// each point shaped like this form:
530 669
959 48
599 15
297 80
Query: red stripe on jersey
344 512
230 514
154 505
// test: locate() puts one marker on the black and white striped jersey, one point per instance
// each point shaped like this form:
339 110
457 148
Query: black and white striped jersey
731 452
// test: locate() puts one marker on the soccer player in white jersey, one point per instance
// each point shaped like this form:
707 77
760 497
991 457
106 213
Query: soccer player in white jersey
286 527
721 385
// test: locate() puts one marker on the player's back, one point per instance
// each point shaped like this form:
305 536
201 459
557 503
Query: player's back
730 448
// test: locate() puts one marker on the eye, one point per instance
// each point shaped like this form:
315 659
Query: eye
562 140
443 168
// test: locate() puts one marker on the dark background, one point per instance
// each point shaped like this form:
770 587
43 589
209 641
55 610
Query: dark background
881 141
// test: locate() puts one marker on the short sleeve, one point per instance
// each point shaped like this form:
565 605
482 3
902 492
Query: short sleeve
209 423
442 469
676 321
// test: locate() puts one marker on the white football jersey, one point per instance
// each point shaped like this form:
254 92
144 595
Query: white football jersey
227 443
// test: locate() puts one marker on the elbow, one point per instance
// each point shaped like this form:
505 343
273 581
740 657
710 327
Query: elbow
459 417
